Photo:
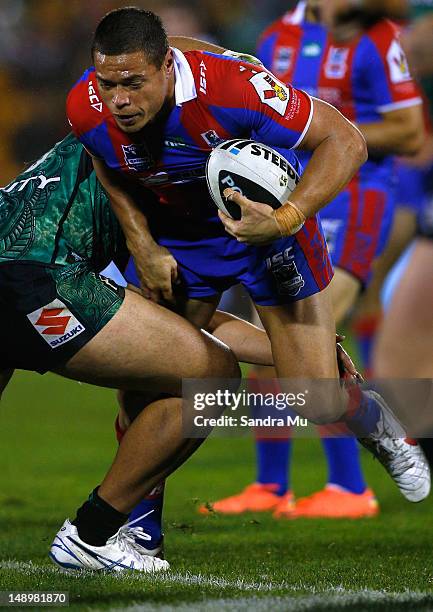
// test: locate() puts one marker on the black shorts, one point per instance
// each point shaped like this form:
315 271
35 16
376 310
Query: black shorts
50 312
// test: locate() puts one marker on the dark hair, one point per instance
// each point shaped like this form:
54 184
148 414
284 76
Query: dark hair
131 29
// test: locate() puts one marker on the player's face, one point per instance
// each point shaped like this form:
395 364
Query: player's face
134 89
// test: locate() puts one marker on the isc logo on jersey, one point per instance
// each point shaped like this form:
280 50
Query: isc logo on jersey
55 323
271 92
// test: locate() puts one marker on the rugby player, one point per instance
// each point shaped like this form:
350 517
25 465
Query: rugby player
359 67
411 311
149 115
57 231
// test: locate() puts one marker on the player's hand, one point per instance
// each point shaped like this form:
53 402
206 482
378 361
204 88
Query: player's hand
158 271
345 364
257 225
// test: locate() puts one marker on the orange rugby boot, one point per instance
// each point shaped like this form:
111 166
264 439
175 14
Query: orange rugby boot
286 506
332 502
256 497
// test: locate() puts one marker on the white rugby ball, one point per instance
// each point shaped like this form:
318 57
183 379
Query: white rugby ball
254 170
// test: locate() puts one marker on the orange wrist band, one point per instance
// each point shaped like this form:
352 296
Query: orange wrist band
289 219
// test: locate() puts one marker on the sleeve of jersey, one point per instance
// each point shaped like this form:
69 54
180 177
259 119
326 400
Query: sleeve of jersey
272 113
81 117
389 81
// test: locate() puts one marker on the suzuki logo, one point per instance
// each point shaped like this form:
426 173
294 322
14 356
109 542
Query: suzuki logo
55 324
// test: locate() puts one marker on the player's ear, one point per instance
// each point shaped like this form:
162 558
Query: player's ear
169 63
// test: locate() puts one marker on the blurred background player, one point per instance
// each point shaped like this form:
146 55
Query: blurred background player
410 312
360 68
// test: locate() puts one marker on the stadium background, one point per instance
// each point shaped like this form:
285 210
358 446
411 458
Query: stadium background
57 436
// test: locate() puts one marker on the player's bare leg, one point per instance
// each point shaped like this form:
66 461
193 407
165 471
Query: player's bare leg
404 344
199 312
344 293
144 348
151 344
302 336
301 344
146 518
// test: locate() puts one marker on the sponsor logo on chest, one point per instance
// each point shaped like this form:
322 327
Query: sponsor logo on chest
137 157
283 60
336 65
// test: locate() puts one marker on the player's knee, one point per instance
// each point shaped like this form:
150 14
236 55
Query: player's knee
325 404
222 362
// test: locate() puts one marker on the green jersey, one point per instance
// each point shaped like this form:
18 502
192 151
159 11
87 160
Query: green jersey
56 212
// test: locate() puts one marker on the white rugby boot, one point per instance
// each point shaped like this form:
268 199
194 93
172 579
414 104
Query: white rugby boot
403 459
119 554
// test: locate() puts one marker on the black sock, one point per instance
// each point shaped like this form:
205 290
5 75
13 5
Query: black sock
96 520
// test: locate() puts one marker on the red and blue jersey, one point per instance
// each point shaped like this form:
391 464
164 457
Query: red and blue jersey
217 98
364 77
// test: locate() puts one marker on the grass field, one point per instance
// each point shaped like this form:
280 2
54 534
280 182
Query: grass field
57 442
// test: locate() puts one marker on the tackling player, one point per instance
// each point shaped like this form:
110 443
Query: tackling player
361 69
149 115
56 231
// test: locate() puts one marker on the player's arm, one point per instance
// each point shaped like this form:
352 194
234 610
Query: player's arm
401 132
186 43
338 151
156 267
251 344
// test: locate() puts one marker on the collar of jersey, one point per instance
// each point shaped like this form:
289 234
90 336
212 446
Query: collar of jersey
296 17
184 87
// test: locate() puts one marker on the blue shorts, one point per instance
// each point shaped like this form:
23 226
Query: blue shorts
411 186
288 270
357 225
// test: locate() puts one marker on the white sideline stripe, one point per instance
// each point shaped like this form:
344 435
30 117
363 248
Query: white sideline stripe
294 604
337 596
